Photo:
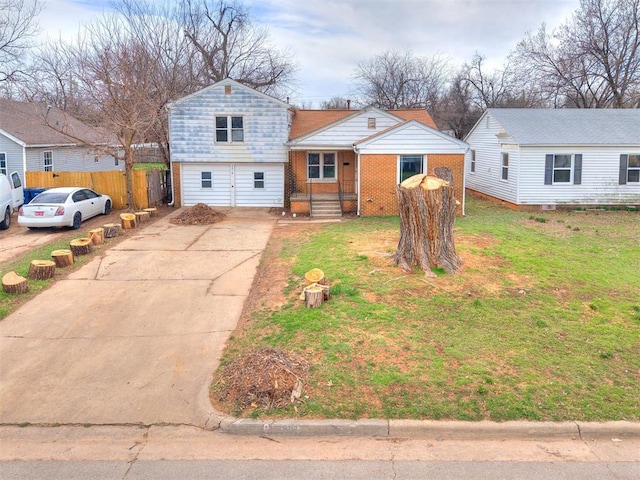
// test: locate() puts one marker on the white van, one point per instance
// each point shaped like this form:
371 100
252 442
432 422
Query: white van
11 197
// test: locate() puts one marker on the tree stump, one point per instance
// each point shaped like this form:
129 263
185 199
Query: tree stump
41 269
315 275
62 258
96 235
80 246
313 296
152 211
142 217
128 220
427 209
111 230
14 283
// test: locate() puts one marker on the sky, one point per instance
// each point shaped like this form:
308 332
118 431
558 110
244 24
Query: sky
327 38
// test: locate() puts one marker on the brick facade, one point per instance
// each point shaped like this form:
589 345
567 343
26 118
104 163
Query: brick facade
379 176
175 179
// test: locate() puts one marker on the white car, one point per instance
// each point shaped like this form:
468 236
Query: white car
11 197
63 207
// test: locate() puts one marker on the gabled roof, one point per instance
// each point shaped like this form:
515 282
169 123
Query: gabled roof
310 121
232 83
407 124
25 121
569 126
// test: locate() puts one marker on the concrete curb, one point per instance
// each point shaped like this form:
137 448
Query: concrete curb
441 430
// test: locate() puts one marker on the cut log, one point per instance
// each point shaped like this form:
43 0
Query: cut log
62 258
111 230
14 283
313 296
315 275
41 269
80 246
427 209
96 235
152 211
142 217
128 220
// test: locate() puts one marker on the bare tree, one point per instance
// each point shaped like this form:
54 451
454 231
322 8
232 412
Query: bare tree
593 60
335 103
401 80
231 45
18 27
457 111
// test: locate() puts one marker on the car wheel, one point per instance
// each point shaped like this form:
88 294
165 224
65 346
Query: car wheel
6 222
77 220
107 207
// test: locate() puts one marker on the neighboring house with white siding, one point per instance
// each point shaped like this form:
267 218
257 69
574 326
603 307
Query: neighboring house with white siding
551 157
31 140
228 147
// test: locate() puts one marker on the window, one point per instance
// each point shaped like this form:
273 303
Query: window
473 161
410 165
629 168
96 158
371 123
505 166
321 166
3 163
48 161
229 128
258 179
206 179
563 168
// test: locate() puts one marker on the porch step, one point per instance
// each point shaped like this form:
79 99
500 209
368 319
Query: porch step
326 208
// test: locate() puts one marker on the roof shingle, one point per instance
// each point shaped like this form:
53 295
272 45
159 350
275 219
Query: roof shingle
575 126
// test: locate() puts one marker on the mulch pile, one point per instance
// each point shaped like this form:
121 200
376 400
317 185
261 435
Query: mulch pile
265 378
199 214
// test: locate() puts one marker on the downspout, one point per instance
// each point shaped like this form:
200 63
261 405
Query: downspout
464 181
355 150
173 194
24 165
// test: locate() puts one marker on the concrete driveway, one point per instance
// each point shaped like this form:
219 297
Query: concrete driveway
134 335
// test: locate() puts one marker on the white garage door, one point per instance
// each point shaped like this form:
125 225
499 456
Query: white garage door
241 185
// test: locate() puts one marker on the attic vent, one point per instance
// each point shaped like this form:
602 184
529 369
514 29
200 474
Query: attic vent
227 89
371 122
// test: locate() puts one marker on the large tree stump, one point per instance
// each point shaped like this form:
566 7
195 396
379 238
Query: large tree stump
14 283
427 211
62 258
41 269
142 217
128 220
80 246
111 230
96 235
313 296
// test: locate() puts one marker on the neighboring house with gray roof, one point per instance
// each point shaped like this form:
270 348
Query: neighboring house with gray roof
29 143
549 157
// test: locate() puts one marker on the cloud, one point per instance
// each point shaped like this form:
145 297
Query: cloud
330 37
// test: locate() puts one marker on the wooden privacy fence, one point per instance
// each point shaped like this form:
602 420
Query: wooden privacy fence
148 186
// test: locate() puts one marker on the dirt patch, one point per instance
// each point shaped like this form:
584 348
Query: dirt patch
265 378
199 214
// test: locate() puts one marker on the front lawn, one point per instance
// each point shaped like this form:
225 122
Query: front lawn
542 324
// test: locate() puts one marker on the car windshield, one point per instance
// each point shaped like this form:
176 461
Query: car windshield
50 197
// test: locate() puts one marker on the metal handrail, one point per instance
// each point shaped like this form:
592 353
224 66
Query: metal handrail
340 196
310 197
